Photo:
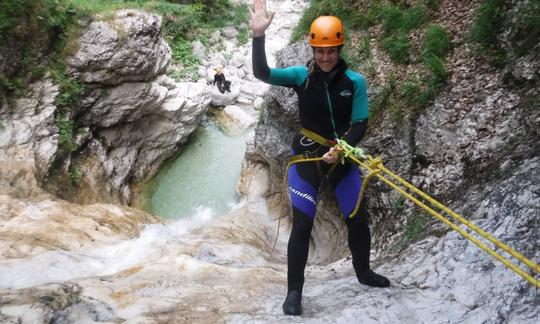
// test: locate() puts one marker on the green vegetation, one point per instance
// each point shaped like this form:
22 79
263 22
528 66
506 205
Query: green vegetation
397 46
400 203
39 30
35 20
413 231
182 52
382 98
65 132
185 23
487 23
415 226
527 24
400 19
397 21
432 4
71 89
413 94
74 174
437 42
522 27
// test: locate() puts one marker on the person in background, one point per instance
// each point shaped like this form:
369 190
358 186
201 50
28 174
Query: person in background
222 83
333 105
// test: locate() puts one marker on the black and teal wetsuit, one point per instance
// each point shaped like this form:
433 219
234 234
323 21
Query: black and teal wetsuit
332 105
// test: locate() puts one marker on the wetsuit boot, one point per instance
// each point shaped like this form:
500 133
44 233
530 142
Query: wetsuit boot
360 245
293 303
370 278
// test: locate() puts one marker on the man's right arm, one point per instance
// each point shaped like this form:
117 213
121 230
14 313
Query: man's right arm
261 70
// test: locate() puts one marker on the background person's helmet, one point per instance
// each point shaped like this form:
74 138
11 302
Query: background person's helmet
218 69
326 31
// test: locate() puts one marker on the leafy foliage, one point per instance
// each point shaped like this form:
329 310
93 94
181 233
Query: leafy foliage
437 41
398 19
65 133
415 226
39 28
182 51
487 23
397 46
74 174
413 231
185 23
527 25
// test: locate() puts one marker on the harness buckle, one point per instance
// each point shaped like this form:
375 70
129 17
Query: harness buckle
308 155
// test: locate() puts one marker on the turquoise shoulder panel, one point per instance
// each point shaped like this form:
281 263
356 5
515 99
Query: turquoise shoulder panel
292 75
360 98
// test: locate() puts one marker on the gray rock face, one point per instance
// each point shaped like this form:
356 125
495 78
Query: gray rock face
457 272
129 47
28 139
229 32
138 116
136 127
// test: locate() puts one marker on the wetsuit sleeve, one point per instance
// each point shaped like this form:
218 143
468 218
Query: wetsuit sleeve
258 57
360 99
289 76
359 117
356 133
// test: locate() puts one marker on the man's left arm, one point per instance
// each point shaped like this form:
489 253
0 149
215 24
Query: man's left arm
359 115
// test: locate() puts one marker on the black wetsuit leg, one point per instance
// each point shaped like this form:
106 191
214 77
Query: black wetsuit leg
359 235
298 246
298 250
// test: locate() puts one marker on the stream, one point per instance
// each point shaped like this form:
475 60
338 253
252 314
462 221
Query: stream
203 178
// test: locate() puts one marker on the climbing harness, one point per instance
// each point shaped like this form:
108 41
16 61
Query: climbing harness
375 168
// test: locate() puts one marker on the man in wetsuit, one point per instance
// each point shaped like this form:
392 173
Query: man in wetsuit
332 105
219 78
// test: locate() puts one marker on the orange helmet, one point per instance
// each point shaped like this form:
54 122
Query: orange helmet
326 31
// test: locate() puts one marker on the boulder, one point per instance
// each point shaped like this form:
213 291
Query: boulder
126 48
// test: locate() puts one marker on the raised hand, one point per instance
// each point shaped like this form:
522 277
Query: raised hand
260 18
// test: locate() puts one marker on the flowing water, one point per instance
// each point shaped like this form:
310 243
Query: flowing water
204 176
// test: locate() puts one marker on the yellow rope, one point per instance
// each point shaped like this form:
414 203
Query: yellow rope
501 245
472 226
375 167
370 175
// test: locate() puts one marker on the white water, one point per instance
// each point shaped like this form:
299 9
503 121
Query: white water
63 266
